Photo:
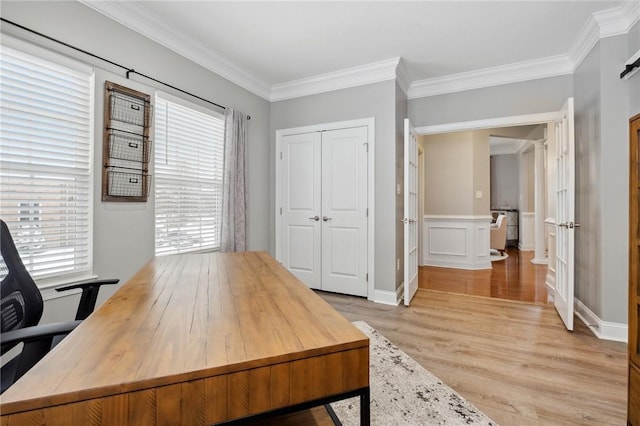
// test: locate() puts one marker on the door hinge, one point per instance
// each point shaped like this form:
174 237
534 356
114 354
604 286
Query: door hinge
366 212
366 277
281 155
280 211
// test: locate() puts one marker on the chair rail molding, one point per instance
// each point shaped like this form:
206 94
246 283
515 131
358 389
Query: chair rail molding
457 241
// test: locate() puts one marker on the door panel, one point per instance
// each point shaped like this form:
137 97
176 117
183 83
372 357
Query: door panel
344 211
300 194
301 242
343 260
410 212
565 215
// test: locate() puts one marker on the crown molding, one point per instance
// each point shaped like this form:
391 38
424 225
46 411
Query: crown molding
586 40
607 23
495 76
499 145
618 20
343 79
139 20
602 24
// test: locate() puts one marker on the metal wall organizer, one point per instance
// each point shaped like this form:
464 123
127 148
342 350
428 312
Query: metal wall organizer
126 144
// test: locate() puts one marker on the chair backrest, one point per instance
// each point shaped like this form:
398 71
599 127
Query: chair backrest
20 299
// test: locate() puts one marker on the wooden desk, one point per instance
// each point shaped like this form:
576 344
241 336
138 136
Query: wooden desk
193 340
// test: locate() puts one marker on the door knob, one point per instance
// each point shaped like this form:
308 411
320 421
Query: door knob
316 218
325 218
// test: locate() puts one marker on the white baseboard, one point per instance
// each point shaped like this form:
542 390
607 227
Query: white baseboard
389 297
544 261
473 266
602 329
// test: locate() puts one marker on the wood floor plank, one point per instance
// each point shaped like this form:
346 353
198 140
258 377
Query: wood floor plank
515 361
515 278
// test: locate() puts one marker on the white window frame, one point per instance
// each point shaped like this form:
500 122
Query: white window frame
29 49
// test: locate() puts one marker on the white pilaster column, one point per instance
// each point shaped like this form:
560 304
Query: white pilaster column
540 256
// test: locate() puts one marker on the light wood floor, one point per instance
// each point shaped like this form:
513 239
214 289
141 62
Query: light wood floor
514 361
515 278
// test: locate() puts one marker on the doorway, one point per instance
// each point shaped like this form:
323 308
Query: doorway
517 278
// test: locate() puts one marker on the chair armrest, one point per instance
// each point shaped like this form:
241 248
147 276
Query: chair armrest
89 295
38 332
38 341
90 283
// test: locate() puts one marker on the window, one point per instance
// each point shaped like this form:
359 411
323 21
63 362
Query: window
189 151
45 162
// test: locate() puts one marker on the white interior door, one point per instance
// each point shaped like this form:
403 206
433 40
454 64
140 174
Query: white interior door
301 207
565 215
344 211
410 212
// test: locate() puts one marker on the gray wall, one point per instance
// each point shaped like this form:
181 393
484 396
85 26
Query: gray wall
614 163
481 173
457 165
449 174
530 97
374 100
634 83
504 181
602 173
526 196
588 185
124 232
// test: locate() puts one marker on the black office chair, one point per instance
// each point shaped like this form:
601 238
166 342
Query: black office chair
21 308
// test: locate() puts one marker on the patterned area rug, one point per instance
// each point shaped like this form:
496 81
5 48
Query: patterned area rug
404 393
496 257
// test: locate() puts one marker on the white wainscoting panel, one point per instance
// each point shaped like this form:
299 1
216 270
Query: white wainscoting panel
460 242
447 240
527 240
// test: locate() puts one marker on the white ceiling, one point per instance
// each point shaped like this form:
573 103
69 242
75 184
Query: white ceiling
269 46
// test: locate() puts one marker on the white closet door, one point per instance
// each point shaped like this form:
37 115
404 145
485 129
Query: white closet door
344 211
301 210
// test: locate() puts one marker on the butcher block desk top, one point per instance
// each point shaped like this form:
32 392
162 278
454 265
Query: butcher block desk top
195 339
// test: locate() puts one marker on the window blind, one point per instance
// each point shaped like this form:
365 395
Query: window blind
45 163
189 150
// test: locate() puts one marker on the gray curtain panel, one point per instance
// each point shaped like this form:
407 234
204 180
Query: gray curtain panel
234 199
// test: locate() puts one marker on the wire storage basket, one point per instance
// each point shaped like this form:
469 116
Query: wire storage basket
130 109
128 146
128 183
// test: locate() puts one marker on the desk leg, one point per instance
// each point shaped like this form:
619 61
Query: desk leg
365 407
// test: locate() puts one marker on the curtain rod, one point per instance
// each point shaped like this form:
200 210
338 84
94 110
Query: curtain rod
630 67
128 70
